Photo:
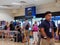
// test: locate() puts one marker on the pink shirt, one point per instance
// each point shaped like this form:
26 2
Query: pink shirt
35 27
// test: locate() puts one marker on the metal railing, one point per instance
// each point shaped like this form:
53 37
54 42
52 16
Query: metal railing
9 33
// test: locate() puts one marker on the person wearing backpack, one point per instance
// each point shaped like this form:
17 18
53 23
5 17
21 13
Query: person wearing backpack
35 33
26 26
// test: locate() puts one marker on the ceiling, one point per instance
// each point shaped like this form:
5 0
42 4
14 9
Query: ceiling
15 4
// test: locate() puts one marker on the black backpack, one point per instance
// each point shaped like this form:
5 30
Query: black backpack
27 26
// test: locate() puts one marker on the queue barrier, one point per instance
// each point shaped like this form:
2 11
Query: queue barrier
3 32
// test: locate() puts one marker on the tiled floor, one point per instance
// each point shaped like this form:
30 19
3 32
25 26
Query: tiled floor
14 43
10 43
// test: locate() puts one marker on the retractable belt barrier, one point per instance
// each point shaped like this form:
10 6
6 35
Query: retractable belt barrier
3 32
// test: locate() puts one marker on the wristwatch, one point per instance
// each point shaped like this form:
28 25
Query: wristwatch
45 37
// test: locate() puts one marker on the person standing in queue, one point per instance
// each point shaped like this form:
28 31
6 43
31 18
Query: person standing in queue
47 30
7 28
59 31
12 27
26 26
35 33
19 35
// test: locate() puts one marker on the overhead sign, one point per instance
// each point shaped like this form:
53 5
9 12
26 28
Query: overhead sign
30 11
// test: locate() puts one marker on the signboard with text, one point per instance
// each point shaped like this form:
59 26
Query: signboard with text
30 11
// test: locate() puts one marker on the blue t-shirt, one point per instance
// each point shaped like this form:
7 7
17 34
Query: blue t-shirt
46 25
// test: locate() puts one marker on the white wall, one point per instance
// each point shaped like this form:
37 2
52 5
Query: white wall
6 15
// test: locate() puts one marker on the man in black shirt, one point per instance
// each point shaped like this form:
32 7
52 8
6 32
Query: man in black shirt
47 30
12 27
